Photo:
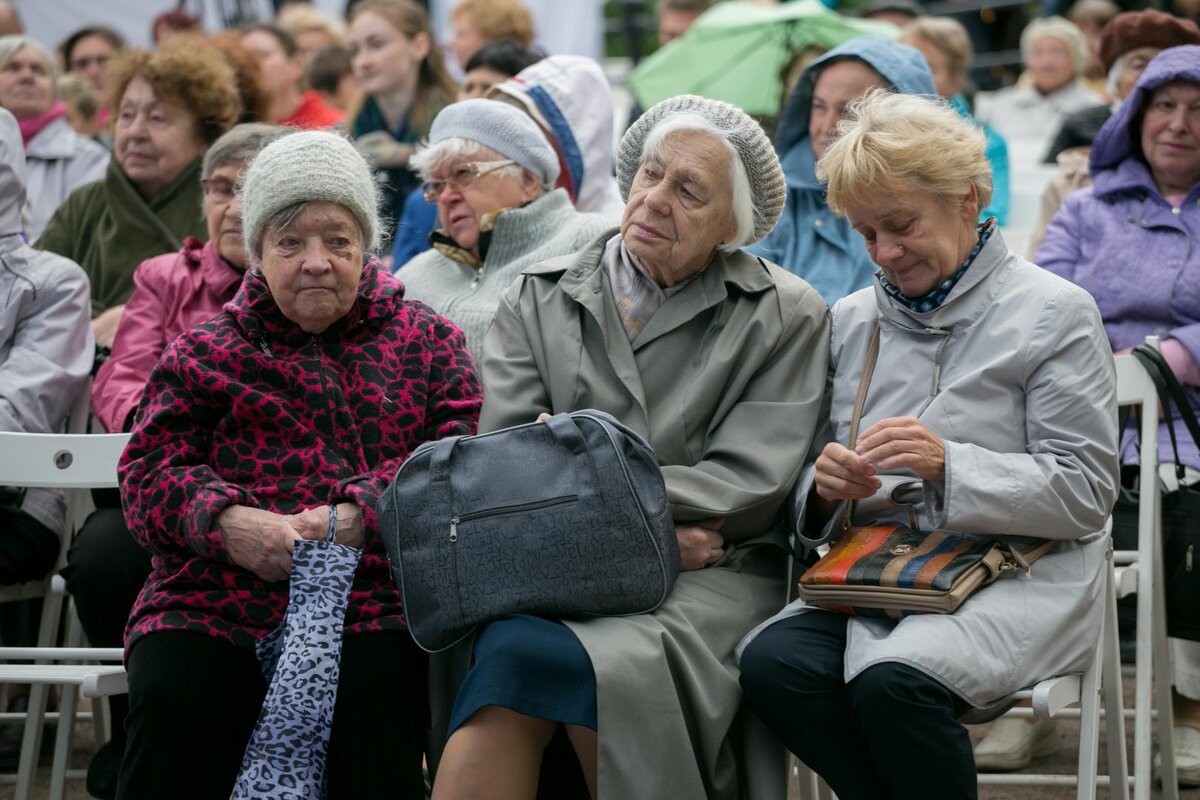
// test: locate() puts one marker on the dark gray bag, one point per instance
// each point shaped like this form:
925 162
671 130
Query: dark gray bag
563 518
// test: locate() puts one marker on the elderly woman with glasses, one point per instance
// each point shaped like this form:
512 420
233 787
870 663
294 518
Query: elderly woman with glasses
718 358
491 173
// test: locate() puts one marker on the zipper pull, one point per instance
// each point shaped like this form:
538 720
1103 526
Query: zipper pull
262 345
454 529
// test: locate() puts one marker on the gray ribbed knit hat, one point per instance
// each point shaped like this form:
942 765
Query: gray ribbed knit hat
758 156
308 167
503 128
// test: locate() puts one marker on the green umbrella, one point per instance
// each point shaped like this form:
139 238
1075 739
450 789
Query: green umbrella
735 52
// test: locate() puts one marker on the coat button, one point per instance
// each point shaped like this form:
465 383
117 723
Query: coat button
819 223
1177 211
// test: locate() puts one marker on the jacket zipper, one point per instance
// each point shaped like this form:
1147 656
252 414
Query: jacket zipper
503 511
935 384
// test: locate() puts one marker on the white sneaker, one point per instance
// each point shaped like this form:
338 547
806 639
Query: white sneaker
1012 743
1187 756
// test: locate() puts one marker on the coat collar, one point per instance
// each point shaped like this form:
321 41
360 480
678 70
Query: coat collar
581 277
969 299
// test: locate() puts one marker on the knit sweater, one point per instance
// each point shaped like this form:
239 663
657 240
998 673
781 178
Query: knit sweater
546 228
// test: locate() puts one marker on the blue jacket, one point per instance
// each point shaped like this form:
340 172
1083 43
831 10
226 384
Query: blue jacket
996 150
809 240
1128 245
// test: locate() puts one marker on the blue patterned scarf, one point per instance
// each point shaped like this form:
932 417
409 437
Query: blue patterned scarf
938 294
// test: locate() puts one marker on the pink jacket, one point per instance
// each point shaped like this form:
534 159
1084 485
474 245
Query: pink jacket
172 293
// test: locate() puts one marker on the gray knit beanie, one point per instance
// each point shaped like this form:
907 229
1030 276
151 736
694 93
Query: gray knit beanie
501 127
752 145
308 167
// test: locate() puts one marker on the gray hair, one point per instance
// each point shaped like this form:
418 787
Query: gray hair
9 45
431 156
240 145
742 204
1062 29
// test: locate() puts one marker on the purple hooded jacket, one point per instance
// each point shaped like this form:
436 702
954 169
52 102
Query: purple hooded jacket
1124 242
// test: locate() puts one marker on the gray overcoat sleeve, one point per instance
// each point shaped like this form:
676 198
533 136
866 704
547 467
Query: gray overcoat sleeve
753 455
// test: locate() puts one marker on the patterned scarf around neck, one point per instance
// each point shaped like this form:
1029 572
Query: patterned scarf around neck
937 295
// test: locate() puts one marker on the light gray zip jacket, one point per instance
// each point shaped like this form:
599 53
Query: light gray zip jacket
1015 374
46 345
58 161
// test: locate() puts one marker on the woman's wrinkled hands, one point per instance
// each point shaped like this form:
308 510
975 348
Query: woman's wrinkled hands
104 326
259 541
903 443
843 474
700 543
313 524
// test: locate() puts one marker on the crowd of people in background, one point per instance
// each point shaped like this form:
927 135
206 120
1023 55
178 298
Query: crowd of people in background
177 222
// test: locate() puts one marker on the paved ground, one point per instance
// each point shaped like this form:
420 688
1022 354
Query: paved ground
1062 762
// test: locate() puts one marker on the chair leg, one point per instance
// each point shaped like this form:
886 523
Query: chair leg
1089 728
1114 717
31 742
62 742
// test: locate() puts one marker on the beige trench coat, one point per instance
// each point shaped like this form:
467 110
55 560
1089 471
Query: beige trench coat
726 383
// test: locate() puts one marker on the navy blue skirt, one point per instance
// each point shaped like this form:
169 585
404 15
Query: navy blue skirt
532 666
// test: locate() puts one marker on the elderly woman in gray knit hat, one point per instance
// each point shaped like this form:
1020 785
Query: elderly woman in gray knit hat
718 358
491 173
279 420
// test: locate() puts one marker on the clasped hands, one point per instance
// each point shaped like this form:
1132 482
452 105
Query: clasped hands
261 541
890 444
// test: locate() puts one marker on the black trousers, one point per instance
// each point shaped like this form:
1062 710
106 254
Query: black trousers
193 702
28 552
892 732
105 571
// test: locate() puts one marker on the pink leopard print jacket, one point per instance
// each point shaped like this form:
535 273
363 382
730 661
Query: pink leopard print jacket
247 408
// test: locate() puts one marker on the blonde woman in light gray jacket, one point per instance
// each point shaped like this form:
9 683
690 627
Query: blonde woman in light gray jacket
992 411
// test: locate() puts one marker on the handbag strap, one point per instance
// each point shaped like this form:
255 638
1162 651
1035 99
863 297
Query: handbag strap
860 400
1169 392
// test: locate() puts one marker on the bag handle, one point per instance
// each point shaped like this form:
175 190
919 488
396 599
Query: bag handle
860 400
1169 392
567 432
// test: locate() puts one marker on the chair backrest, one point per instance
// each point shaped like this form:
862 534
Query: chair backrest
66 461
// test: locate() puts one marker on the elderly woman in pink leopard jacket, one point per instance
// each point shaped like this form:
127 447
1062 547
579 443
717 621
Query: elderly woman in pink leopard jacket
307 392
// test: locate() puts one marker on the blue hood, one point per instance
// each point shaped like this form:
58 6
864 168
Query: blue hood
903 67
1117 139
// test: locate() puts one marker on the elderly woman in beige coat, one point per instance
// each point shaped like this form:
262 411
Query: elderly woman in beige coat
718 359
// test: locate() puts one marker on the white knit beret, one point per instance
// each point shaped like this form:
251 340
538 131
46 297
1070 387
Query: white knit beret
501 127
767 187
308 167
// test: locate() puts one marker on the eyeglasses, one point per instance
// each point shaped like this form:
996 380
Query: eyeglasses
461 177
221 189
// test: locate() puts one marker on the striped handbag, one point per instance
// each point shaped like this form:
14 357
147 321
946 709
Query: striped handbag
892 570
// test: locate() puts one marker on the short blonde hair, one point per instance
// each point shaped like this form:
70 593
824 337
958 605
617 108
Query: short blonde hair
300 19
1059 28
903 143
498 19
948 36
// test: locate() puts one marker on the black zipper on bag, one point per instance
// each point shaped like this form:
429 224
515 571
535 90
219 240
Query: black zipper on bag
501 511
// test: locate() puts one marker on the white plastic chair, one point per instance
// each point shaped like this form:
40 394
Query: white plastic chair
1141 571
75 463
